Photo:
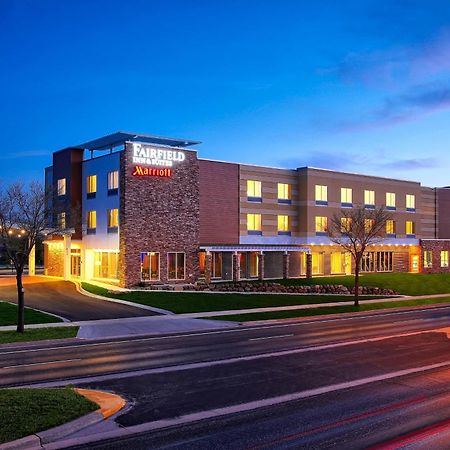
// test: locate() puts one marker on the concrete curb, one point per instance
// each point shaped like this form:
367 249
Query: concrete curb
109 404
82 291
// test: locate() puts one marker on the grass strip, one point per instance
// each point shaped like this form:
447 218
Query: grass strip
28 411
8 315
38 334
186 302
328 310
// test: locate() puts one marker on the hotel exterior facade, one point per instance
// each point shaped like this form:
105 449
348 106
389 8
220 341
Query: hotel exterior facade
149 211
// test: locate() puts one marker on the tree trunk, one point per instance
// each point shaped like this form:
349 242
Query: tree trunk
20 302
357 283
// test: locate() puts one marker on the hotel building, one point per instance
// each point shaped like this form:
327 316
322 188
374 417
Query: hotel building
148 209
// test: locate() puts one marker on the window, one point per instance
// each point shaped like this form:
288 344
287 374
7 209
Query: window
106 265
61 220
427 259
410 228
216 262
368 225
369 199
317 263
444 258
410 202
149 266
254 190
253 263
91 186
113 220
61 187
175 266
346 197
376 262
284 193
321 225
321 195
113 182
390 227
337 262
346 224
91 222
283 225
254 223
390 201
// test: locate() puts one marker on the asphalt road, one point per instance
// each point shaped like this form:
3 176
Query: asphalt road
61 298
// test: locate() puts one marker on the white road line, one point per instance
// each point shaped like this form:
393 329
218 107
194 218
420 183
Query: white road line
271 337
243 407
42 363
238 330
206 364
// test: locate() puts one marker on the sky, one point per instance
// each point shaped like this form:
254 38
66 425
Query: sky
355 85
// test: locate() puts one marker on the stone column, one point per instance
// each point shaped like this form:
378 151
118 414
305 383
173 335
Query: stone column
308 265
208 267
66 264
32 262
236 266
261 266
286 265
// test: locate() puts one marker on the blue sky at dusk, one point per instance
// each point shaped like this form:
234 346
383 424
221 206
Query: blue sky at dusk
360 86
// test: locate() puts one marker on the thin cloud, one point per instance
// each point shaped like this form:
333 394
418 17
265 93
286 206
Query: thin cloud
24 154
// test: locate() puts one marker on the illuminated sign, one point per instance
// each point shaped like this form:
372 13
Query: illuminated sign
140 171
155 156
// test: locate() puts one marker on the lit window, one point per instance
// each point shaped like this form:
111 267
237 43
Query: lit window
91 184
254 189
113 182
410 202
283 224
321 195
113 218
444 258
369 198
321 224
61 219
254 223
390 200
346 196
175 266
427 259
346 224
390 227
368 224
61 187
284 192
410 228
149 266
106 265
91 220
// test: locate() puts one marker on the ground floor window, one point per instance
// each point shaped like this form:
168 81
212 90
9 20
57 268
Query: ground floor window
444 258
216 261
376 262
317 263
149 266
106 265
427 259
176 266
337 262
202 264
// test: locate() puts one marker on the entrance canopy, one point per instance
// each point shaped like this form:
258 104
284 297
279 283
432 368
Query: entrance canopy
254 248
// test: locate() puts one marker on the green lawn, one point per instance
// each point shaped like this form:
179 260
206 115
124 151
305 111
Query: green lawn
403 283
38 334
28 411
182 302
325 310
8 315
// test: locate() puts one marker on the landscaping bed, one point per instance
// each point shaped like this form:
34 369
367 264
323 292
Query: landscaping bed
38 334
27 411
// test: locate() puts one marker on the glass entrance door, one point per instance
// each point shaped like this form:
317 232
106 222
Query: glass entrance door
75 262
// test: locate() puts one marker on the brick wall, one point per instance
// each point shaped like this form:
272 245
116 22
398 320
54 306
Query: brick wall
54 260
159 215
435 246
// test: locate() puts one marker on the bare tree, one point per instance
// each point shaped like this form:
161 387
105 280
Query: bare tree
26 213
356 228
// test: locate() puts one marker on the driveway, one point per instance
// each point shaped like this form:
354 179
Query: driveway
61 298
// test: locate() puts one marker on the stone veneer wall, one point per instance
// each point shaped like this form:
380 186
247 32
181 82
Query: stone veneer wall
54 261
159 215
400 262
435 246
